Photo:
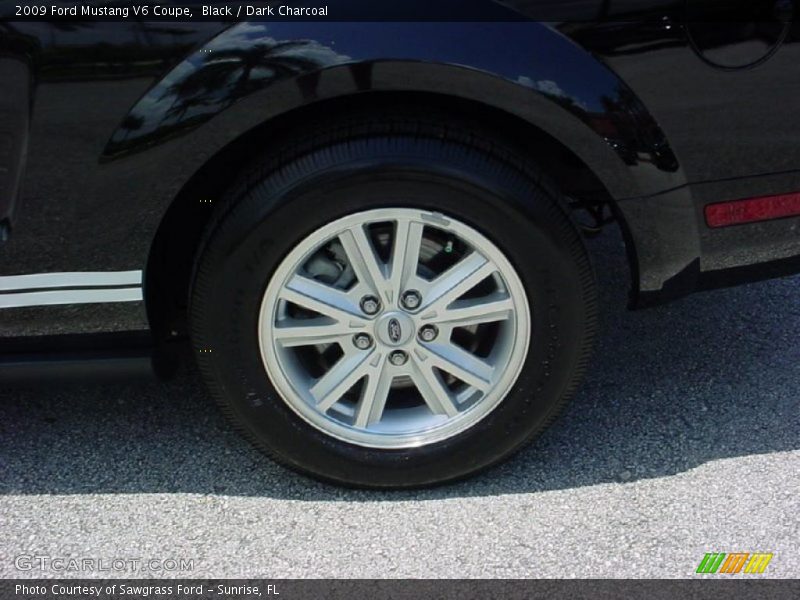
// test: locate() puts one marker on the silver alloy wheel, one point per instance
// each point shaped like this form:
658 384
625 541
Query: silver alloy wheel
313 308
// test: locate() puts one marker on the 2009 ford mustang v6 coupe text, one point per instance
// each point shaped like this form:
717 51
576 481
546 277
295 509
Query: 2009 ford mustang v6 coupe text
372 234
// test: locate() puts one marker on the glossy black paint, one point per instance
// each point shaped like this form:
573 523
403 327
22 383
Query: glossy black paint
15 111
68 358
667 115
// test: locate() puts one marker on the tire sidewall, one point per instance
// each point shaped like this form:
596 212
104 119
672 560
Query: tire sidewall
265 221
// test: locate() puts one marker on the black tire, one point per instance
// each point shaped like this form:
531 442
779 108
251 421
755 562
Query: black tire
391 158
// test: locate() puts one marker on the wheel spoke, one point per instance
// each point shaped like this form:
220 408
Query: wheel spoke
462 364
368 268
374 395
456 281
309 332
405 253
341 377
323 299
474 311
433 390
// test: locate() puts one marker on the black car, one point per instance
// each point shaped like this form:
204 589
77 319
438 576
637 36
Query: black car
372 233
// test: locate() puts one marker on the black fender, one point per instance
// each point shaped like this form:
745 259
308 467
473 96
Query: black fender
253 72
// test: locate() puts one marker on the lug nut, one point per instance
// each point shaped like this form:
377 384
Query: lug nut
370 305
398 358
428 333
411 300
362 341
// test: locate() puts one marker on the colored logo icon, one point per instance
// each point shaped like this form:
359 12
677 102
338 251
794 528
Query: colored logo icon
735 562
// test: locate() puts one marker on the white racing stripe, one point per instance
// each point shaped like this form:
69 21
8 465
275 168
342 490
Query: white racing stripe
70 280
48 289
52 297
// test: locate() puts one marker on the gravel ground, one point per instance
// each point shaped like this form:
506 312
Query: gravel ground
683 440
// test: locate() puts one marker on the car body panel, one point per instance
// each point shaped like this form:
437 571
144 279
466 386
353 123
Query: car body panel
126 114
14 122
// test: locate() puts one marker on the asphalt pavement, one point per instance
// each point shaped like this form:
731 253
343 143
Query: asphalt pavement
684 439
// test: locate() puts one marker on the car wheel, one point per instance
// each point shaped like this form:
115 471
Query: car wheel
392 300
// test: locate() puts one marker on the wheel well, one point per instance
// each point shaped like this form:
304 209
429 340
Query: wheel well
169 267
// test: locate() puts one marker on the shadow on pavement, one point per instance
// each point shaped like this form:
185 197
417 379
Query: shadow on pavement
710 377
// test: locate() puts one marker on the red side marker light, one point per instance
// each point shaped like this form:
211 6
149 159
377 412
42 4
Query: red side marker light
752 210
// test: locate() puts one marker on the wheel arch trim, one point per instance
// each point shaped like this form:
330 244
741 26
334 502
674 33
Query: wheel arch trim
602 123
561 89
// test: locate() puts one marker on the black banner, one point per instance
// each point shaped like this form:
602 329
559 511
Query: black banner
415 589
389 10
